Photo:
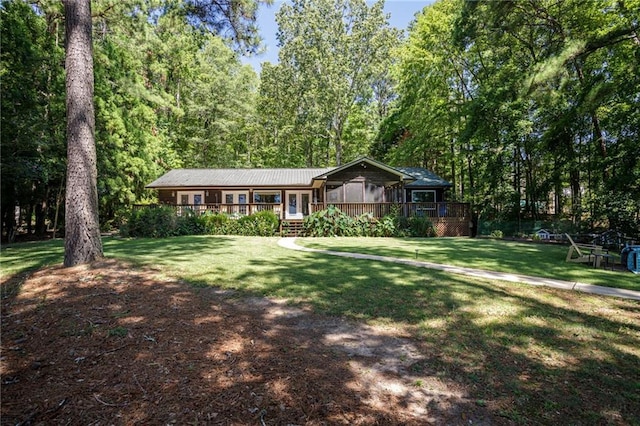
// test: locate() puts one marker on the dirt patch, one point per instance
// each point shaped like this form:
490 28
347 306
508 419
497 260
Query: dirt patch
107 344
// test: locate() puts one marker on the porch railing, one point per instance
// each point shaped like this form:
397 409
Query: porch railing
231 209
431 210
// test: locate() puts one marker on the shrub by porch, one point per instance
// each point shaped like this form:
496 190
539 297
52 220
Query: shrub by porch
167 221
162 221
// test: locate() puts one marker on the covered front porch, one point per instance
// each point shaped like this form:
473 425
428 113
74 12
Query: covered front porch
377 210
448 218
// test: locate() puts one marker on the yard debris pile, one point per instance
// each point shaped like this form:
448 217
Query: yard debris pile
105 344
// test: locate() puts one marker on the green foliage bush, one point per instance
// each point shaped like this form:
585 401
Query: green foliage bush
332 222
321 223
216 223
263 224
387 227
190 224
162 221
497 234
420 226
154 221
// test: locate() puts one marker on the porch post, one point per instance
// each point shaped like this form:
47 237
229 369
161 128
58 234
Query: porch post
403 192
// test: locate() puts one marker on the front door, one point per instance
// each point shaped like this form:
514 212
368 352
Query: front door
297 204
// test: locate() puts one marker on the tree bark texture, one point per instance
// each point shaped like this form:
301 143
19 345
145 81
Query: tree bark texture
82 228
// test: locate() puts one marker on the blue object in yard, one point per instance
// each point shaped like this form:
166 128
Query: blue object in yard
631 256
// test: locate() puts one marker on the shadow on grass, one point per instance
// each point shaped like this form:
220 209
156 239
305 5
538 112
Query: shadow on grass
542 355
105 343
22 257
527 354
535 259
536 354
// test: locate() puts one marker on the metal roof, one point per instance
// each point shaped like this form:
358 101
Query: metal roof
237 177
423 177
194 178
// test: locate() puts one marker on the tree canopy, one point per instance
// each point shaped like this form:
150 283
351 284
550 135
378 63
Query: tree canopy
530 108
521 105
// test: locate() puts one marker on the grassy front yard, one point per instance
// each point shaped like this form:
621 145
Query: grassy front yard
536 259
529 354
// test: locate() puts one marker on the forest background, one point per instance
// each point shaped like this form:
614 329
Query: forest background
530 108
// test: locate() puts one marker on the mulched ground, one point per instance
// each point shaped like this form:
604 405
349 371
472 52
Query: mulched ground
108 344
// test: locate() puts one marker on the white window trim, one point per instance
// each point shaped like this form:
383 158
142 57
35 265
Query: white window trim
191 194
299 194
267 192
236 197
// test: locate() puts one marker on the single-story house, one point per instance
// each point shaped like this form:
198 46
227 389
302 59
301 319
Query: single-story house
361 186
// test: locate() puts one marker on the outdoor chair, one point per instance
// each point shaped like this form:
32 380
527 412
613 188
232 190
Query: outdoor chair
585 253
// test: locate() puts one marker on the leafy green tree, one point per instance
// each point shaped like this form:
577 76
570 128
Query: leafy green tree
520 104
130 147
32 117
289 133
217 106
234 20
331 54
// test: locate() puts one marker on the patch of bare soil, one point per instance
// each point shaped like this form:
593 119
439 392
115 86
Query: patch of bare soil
107 344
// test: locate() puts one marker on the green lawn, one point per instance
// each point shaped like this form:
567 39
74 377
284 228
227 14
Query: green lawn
16 258
530 354
536 259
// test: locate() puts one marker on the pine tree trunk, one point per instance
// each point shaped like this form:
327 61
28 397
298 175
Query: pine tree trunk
82 229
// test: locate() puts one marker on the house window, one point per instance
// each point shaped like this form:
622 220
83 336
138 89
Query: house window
233 198
191 197
423 196
354 192
374 193
267 197
334 194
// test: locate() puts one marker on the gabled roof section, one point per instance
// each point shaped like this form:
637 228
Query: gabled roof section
401 175
424 177
178 178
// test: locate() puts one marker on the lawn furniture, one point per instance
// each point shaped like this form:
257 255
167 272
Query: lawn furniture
586 253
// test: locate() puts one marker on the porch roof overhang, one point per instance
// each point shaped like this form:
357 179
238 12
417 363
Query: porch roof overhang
402 177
